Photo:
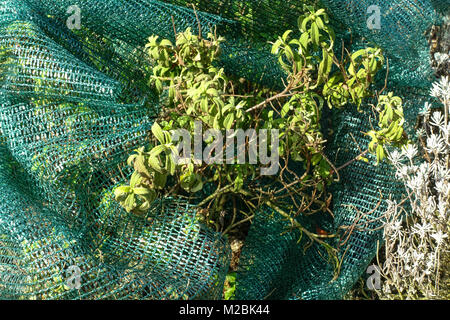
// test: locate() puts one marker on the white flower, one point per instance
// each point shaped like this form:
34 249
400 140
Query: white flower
392 205
424 169
421 229
420 132
437 119
417 256
415 183
429 266
392 230
445 130
412 169
442 173
397 225
443 209
442 187
439 237
402 254
441 57
431 205
441 89
425 110
435 144
386 288
395 157
412 248
410 151
402 172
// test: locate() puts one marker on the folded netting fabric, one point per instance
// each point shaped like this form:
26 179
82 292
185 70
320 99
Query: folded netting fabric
74 103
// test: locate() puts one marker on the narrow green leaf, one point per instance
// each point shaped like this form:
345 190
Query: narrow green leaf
228 122
158 133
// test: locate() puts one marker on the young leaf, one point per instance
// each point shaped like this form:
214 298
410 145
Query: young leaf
135 180
228 122
315 33
158 133
154 164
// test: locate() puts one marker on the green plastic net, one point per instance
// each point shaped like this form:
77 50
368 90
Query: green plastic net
75 103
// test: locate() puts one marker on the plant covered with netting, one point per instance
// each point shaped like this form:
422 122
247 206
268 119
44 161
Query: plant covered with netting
97 202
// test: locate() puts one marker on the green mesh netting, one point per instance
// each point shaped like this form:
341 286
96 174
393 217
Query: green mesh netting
74 104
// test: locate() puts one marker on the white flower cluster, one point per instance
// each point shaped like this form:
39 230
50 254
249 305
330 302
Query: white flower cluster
416 229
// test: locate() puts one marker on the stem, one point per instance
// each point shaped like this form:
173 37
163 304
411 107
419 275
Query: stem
351 161
294 222
229 228
285 93
275 97
217 193
446 107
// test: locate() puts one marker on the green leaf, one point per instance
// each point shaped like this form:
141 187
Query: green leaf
143 208
324 66
316 159
320 23
216 124
154 164
304 23
276 47
156 151
285 109
238 183
231 281
121 192
288 52
142 191
380 153
140 166
304 39
319 12
204 105
198 185
172 165
135 180
165 43
158 133
168 137
191 182
130 203
212 92
363 159
372 145
228 122
315 33
159 85
131 159
286 35
160 180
